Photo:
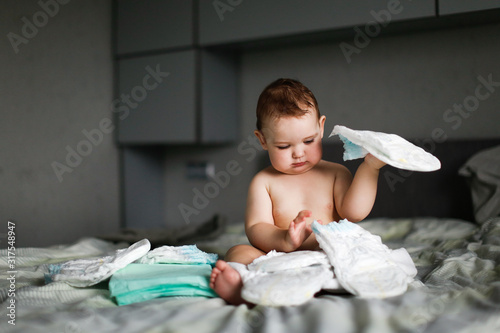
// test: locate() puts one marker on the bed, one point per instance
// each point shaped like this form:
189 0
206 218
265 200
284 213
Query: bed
457 287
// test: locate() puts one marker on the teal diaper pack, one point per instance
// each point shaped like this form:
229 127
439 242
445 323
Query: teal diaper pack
142 282
167 271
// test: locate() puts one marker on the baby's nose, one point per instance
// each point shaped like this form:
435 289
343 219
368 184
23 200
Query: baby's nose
298 153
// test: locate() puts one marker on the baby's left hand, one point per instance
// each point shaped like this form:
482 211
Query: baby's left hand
374 162
298 231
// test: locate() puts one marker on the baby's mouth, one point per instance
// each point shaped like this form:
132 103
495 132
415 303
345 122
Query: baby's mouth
299 164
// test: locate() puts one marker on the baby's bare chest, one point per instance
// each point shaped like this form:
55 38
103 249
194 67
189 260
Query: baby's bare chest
291 196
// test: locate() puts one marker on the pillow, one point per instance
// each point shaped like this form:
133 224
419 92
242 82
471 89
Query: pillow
483 176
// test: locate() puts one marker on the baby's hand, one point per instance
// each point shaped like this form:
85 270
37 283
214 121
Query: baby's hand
298 231
374 162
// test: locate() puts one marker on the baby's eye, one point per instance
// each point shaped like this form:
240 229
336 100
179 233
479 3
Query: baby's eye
282 147
307 142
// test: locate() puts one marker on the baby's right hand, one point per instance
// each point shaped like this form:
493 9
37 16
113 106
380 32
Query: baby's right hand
298 231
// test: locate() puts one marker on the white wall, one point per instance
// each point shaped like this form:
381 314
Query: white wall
59 83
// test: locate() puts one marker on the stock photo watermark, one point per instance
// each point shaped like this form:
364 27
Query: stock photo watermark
220 180
122 106
453 116
372 29
30 27
223 6
11 273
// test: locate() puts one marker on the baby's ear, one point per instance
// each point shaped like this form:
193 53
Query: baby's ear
322 120
262 138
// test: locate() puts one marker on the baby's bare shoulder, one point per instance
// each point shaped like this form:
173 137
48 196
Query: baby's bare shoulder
264 177
266 173
332 168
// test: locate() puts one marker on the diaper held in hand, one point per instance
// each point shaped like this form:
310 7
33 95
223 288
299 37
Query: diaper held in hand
389 148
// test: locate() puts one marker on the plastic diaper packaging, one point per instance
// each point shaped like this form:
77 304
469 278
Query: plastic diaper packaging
141 282
389 148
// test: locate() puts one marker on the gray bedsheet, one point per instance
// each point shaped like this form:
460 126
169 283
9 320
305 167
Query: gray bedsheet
457 289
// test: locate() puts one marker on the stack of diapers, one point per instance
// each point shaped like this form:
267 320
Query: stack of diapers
389 148
165 271
142 282
354 260
138 274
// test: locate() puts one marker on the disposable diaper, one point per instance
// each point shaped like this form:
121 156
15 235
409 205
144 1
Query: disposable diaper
389 148
185 254
88 272
279 279
278 261
363 265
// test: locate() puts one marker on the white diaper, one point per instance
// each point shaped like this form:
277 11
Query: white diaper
185 254
278 261
280 279
363 265
88 272
389 148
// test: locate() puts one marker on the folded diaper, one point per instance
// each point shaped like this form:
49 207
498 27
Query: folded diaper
389 148
88 272
363 265
142 282
278 261
279 279
185 254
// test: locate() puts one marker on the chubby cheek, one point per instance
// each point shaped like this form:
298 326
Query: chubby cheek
315 154
279 159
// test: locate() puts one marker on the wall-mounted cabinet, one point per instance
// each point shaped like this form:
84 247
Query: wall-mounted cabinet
158 99
180 97
169 92
447 7
154 25
224 21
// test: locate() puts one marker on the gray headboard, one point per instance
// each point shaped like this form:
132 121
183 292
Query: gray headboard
441 193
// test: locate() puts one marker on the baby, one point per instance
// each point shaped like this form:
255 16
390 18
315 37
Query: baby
298 187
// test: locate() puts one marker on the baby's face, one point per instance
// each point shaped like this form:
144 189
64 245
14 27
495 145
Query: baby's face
294 144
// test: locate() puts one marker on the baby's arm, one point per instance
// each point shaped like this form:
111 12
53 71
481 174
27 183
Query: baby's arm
259 222
354 199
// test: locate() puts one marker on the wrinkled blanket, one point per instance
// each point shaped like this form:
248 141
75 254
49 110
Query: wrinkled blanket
457 289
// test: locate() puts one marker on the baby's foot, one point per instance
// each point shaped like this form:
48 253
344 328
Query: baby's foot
227 283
